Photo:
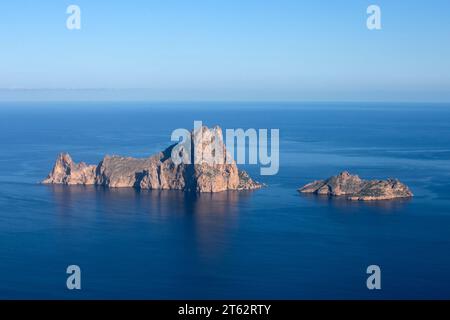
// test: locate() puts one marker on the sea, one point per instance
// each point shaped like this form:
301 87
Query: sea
272 243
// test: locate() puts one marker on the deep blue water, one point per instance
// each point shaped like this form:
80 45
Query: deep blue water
270 243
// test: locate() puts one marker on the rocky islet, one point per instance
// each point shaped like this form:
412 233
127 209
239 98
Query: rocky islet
160 171
354 188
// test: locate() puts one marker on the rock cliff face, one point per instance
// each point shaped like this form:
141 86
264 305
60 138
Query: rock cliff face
66 171
209 173
354 188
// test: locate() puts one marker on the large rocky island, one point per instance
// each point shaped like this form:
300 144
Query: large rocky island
160 171
355 188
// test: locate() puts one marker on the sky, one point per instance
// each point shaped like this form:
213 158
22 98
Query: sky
261 50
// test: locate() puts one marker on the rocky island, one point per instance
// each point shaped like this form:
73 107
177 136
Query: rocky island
355 188
160 171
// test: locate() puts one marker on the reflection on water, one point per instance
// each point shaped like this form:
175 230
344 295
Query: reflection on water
382 206
158 203
269 244
208 216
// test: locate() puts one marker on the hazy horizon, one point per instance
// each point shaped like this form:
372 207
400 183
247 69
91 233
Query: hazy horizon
143 95
226 51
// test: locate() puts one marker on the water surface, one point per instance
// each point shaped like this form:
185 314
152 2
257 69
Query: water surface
270 243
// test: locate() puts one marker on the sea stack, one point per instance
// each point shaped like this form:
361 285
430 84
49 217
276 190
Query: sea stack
354 188
160 171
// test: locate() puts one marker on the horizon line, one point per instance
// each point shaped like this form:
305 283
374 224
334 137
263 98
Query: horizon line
248 101
146 98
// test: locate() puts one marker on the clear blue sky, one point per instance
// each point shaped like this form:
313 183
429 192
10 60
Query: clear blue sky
227 50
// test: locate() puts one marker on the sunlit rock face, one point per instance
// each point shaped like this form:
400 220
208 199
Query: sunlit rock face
211 168
68 172
355 188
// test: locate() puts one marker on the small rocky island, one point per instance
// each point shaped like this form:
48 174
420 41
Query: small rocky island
160 171
355 188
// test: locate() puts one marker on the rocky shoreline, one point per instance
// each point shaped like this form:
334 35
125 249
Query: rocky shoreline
160 172
354 188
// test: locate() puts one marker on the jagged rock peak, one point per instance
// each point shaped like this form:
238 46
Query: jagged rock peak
213 172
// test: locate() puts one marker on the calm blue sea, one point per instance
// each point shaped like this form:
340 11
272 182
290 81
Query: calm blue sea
271 243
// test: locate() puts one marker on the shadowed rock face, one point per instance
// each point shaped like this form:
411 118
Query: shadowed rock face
160 171
354 188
